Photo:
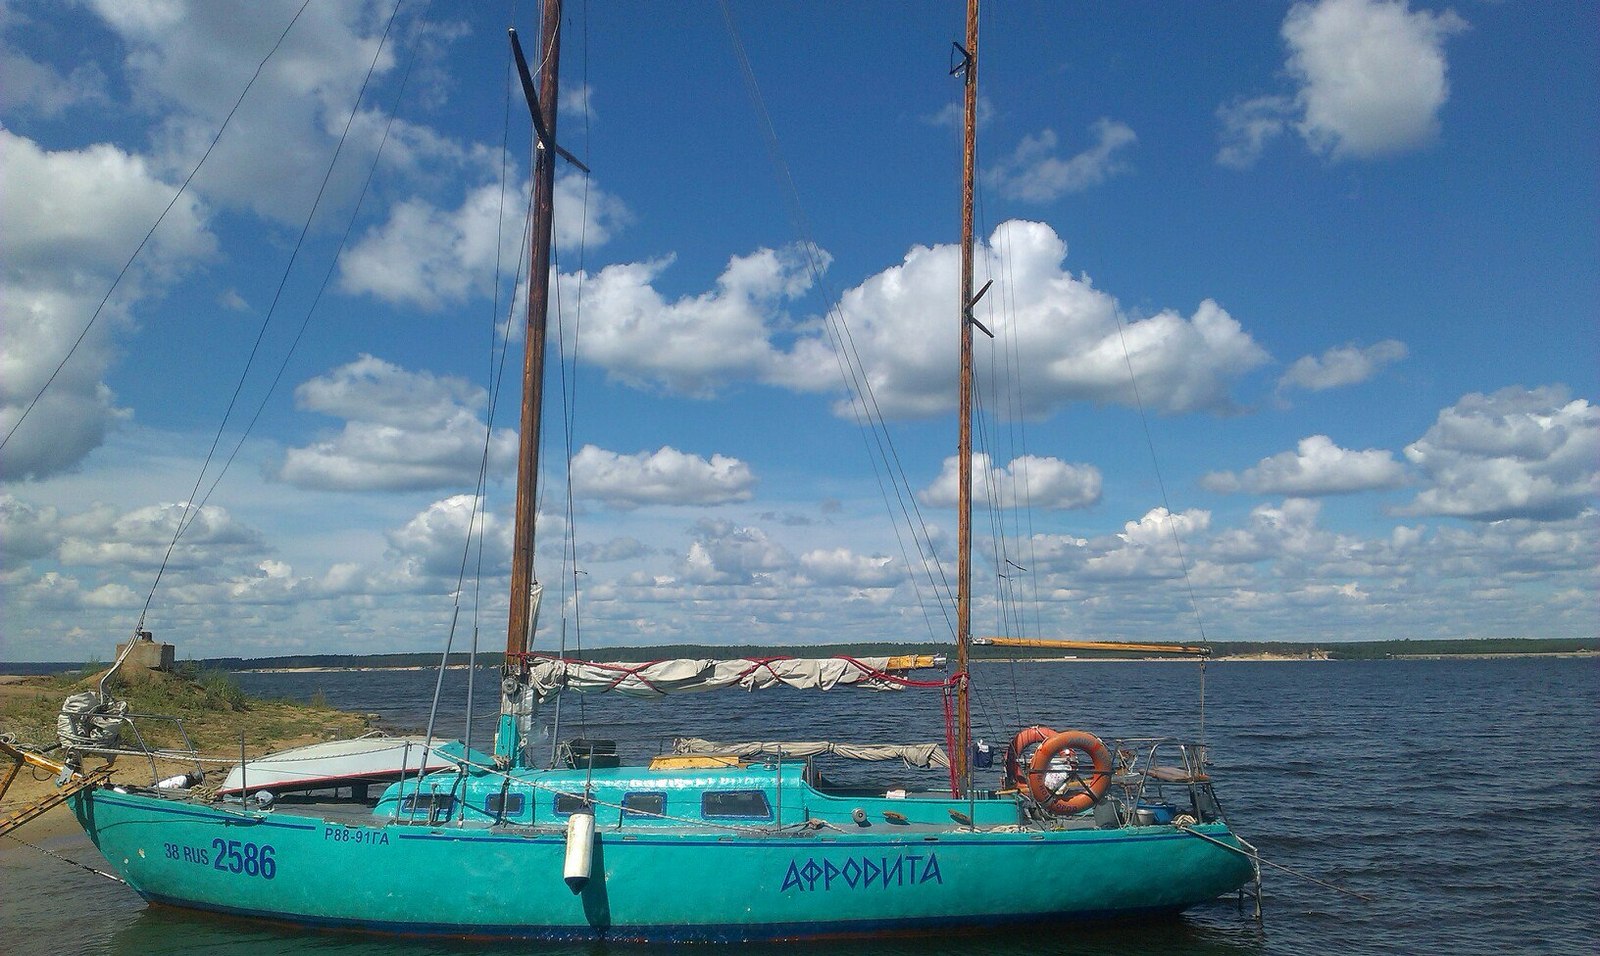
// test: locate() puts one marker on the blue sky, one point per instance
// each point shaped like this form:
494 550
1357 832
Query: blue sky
1349 250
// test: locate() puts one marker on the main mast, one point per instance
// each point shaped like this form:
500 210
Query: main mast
961 770
520 623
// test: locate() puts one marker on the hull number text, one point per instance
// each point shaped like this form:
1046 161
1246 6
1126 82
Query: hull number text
239 857
355 836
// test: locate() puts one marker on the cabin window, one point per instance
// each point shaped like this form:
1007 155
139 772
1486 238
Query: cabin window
569 803
746 804
510 804
431 806
644 804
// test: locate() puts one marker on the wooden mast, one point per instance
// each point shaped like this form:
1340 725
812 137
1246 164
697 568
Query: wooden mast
961 769
544 178
519 624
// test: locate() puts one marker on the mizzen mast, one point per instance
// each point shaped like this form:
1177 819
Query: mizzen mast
961 771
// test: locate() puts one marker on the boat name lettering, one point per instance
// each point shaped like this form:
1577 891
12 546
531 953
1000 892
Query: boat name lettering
336 834
243 857
863 872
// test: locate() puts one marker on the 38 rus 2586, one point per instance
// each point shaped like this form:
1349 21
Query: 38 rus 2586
229 856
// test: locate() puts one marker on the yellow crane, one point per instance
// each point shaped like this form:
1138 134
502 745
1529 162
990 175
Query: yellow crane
1092 645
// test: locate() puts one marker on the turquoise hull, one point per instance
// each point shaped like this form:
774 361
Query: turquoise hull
655 884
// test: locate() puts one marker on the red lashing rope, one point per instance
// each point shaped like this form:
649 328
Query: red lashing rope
950 730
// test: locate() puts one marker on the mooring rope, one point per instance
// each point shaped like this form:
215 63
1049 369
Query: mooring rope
81 866
1258 858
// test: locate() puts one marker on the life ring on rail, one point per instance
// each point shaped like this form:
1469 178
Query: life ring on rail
1075 793
1016 775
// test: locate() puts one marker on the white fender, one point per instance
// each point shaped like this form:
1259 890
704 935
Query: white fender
580 849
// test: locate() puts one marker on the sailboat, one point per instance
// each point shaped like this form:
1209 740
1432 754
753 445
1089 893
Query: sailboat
713 841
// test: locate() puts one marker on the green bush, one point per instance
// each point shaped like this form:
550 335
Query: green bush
223 686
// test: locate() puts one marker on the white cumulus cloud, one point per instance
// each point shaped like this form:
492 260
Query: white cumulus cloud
1069 338
666 476
140 538
72 218
1036 174
696 343
434 258
1151 547
726 553
1317 467
1344 365
841 566
1372 74
1517 453
191 58
28 85
430 547
1370 80
403 431
1248 125
1029 481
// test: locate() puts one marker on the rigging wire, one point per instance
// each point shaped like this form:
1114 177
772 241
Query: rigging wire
1005 328
93 318
327 277
1005 600
1008 294
1018 406
499 348
191 509
569 393
864 408
1171 519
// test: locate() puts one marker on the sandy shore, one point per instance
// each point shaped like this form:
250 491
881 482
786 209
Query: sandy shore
28 705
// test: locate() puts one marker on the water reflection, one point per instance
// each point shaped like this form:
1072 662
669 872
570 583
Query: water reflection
1216 930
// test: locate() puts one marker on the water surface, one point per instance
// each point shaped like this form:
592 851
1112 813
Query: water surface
1459 796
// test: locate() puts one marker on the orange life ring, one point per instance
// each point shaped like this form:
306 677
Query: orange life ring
1076 793
1016 776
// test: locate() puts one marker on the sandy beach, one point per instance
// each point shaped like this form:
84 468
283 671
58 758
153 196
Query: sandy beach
28 705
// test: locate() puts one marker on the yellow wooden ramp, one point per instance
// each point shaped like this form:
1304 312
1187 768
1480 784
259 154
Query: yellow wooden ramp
19 758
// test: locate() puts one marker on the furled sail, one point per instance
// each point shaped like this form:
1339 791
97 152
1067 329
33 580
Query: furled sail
548 676
916 755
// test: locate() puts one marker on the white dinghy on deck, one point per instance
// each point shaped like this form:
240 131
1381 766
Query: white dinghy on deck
375 758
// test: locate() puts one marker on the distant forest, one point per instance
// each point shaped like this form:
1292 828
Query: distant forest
1357 650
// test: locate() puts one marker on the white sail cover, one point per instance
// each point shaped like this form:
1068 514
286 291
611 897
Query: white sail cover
915 755
549 676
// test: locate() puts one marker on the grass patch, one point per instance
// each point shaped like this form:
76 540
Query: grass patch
213 709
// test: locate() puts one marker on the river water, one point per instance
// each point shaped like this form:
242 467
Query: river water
1461 797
